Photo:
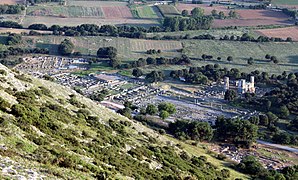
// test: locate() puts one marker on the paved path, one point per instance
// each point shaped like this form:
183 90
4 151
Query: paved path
287 148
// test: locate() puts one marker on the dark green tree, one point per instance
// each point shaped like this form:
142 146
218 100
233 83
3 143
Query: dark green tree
137 72
164 114
197 12
230 95
169 107
151 109
107 52
66 47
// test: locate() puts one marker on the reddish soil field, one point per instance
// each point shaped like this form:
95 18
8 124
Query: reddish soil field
255 18
280 32
114 12
206 8
11 1
247 17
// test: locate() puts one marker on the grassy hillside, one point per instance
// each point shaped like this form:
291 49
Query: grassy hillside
48 130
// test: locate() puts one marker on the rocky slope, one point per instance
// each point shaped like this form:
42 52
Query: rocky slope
49 131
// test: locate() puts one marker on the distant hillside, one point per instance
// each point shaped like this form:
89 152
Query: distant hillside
47 130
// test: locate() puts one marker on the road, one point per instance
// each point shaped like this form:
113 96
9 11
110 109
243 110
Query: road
287 148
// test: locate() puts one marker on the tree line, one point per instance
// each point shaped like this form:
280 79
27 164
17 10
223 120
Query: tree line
11 51
11 9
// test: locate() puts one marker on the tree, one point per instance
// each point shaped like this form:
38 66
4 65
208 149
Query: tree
250 165
125 112
229 58
294 124
221 15
264 121
232 14
151 109
155 76
164 114
237 131
281 138
272 118
250 61
197 12
284 111
137 72
115 62
66 47
214 13
38 27
273 58
169 107
230 95
185 13
267 56
14 39
107 52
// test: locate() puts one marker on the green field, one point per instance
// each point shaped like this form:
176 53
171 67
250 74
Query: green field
285 2
128 49
168 10
286 53
65 11
214 32
146 12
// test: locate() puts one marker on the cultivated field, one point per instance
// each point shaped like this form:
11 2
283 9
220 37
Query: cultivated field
286 53
144 45
168 10
94 3
65 11
280 32
128 49
147 12
12 1
255 18
116 12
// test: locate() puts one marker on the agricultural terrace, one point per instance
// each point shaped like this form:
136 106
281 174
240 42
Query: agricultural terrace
286 53
255 18
168 10
11 2
280 32
128 49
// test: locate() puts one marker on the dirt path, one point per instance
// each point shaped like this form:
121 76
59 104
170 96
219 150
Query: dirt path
287 148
